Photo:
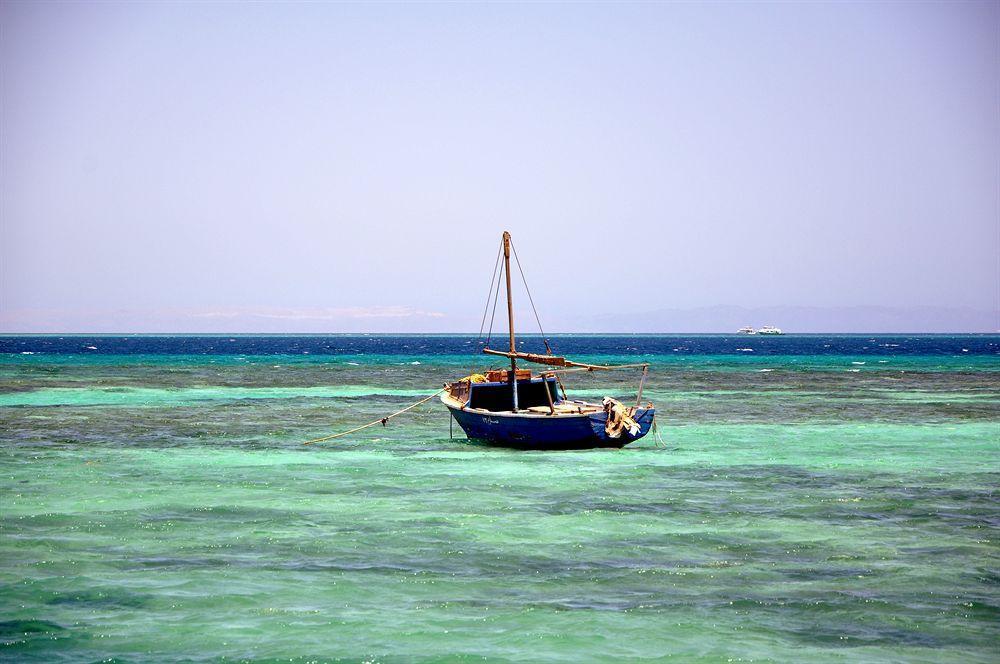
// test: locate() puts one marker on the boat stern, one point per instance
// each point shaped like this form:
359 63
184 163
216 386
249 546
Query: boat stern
643 417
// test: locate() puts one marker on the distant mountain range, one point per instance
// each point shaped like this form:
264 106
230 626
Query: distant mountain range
794 319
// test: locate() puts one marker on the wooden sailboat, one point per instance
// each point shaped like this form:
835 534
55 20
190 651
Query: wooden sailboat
516 408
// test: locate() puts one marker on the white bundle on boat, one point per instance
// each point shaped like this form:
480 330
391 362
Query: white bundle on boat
619 419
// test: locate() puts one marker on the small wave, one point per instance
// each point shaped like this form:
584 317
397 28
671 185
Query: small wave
857 362
764 370
745 350
27 352
91 347
853 370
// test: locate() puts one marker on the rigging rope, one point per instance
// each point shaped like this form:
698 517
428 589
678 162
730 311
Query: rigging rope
381 420
524 281
496 298
656 433
545 339
486 309
479 337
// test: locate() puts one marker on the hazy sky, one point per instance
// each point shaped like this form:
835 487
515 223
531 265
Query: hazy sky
335 167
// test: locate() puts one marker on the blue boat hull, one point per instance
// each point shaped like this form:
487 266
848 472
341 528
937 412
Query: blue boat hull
541 432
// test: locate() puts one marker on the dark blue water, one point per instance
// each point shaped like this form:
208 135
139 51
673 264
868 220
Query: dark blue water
840 344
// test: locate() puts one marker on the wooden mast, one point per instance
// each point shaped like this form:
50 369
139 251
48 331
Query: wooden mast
510 317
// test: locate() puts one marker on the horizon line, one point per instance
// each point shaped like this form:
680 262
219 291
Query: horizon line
455 333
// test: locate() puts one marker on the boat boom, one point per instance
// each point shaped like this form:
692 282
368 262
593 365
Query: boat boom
557 361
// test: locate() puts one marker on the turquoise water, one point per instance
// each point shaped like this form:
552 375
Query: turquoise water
804 505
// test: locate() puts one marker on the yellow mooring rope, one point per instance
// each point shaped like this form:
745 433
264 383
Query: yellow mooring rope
381 420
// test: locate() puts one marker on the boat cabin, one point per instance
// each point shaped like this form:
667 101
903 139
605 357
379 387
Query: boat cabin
497 396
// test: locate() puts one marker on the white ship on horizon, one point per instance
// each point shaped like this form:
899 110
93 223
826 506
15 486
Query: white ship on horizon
770 329
746 330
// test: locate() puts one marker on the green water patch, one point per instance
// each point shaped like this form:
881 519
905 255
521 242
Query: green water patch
777 542
151 397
